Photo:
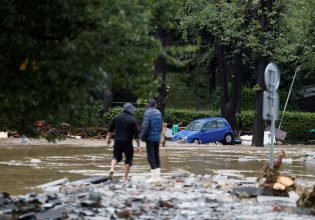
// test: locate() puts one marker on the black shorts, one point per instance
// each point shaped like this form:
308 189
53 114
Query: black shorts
125 147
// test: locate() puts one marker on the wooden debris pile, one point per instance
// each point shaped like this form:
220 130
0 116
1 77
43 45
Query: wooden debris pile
280 184
66 131
307 200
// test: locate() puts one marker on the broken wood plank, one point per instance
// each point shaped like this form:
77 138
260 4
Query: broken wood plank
286 181
278 186
54 183
92 180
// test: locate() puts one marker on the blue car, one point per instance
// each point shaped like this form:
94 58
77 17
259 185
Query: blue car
206 130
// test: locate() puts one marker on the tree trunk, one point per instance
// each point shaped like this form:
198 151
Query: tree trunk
236 89
223 76
107 97
160 69
258 137
211 79
161 99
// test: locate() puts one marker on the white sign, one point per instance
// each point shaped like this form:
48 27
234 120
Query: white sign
272 77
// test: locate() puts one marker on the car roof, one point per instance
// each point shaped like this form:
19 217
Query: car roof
209 119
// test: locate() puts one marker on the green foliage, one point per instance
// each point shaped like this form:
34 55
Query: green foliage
248 100
87 115
183 117
297 124
164 13
245 121
187 97
127 45
56 54
189 91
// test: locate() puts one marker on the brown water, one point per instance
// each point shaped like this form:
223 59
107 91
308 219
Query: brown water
77 159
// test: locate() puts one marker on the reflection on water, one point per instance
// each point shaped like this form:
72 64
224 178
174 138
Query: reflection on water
25 166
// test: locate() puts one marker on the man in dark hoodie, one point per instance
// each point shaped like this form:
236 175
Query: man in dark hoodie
151 134
126 128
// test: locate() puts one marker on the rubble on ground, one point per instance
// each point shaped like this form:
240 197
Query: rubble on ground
181 195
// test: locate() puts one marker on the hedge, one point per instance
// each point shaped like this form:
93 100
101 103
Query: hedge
296 124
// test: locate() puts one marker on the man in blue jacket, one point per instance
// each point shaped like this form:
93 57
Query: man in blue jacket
151 134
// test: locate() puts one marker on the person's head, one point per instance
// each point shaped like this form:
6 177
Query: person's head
151 103
128 107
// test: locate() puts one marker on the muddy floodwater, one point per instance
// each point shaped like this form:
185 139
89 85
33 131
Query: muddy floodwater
23 166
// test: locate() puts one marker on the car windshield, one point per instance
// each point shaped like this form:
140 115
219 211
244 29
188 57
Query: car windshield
194 126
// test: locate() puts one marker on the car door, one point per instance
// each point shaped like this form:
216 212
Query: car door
209 132
221 130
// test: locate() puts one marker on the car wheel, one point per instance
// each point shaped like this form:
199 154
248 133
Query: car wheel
196 141
228 139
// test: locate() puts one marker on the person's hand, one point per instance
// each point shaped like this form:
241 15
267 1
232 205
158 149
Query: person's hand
109 141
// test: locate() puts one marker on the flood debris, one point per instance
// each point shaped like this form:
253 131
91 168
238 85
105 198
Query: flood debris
307 199
246 139
53 183
199 197
276 199
247 192
274 187
280 184
91 180
24 139
309 158
3 134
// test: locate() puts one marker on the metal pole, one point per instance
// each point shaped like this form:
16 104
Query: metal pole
272 137
286 102
272 127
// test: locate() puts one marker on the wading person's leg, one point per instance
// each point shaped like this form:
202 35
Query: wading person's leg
157 154
151 159
129 158
151 155
157 171
117 157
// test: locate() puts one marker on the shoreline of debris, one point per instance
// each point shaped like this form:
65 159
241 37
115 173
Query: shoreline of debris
182 195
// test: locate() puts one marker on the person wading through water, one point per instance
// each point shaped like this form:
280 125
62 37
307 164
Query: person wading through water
126 128
151 134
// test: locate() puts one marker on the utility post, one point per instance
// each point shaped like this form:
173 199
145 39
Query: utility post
271 103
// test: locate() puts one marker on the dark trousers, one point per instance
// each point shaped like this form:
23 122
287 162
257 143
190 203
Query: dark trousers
153 153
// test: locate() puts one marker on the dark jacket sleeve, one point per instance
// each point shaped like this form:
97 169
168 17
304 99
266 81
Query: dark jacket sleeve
145 126
112 125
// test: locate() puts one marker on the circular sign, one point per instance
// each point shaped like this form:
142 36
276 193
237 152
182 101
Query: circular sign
272 76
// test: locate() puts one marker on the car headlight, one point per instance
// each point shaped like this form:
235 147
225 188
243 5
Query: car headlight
185 138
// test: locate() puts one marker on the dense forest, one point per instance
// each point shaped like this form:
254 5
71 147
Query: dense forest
61 59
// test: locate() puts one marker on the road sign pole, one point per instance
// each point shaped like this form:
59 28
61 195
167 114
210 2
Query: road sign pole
272 127
272 137
271 103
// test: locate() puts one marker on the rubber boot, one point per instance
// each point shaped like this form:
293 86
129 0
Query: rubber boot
151 178
157 176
